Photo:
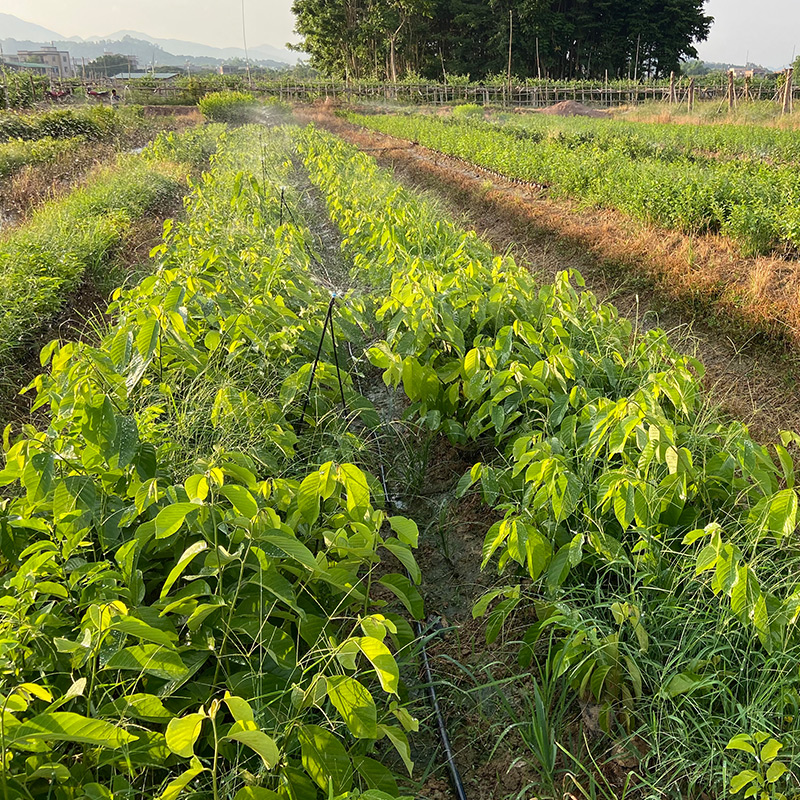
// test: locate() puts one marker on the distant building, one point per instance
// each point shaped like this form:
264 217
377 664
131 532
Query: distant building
58 60
230 69
12 64
750 71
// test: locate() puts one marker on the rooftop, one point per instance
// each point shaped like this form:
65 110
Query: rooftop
161 76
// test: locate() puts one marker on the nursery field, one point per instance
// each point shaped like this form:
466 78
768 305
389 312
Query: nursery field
739 182
227 523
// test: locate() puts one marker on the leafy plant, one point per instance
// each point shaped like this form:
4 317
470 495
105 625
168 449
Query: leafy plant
761 782
233 107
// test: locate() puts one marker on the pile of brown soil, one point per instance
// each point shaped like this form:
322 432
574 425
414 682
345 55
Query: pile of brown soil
569 108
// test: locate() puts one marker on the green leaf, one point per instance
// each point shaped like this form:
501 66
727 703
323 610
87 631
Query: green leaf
308 498
152 659
406 530
406 592
559 566
147 707
382 661
292 547
324 759
741 742
682 683
241 499
188 554
483 603
376 775
400 741
176 786
274 640
259 742
239 708
136 627
147 337
770 751
170 518
64 726
742 779
472 363
256 793
354 702
182 733
777 769
402 552
782 519
356 486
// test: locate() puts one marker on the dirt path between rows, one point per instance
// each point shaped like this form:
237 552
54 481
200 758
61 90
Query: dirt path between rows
753 379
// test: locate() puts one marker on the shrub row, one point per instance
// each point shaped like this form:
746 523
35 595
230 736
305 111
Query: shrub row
753 203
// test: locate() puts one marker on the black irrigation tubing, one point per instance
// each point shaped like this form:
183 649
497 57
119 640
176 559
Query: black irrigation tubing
455 775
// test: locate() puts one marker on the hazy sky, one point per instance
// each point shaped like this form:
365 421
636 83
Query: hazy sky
767 30
214 22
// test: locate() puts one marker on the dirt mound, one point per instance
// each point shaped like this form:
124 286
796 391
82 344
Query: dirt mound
569 108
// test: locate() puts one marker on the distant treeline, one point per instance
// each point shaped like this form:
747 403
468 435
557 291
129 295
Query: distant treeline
556 39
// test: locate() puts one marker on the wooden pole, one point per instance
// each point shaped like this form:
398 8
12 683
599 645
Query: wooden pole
691 95
787 92
538 63
671 88
731 92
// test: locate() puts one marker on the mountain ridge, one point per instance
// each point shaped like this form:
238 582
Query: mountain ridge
17 32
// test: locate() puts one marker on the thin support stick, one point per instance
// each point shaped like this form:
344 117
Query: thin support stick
316 359
336 357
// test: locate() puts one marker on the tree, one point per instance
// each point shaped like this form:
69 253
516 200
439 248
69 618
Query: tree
109 64
563 38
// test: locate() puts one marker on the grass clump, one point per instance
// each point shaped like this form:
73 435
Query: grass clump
19 153
94 123
233 107
45 260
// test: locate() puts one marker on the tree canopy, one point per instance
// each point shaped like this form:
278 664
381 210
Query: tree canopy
552 38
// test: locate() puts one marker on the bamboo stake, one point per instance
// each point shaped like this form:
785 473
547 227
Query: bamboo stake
787 92
731 92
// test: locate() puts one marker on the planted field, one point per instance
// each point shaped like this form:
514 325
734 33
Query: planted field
70 136
44 261
668 179
210 584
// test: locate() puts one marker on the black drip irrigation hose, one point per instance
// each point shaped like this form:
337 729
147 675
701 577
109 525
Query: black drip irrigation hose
455 775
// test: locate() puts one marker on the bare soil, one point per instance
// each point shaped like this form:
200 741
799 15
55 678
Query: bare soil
657 278
571 108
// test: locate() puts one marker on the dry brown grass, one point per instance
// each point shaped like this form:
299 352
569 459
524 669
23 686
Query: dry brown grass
713 112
